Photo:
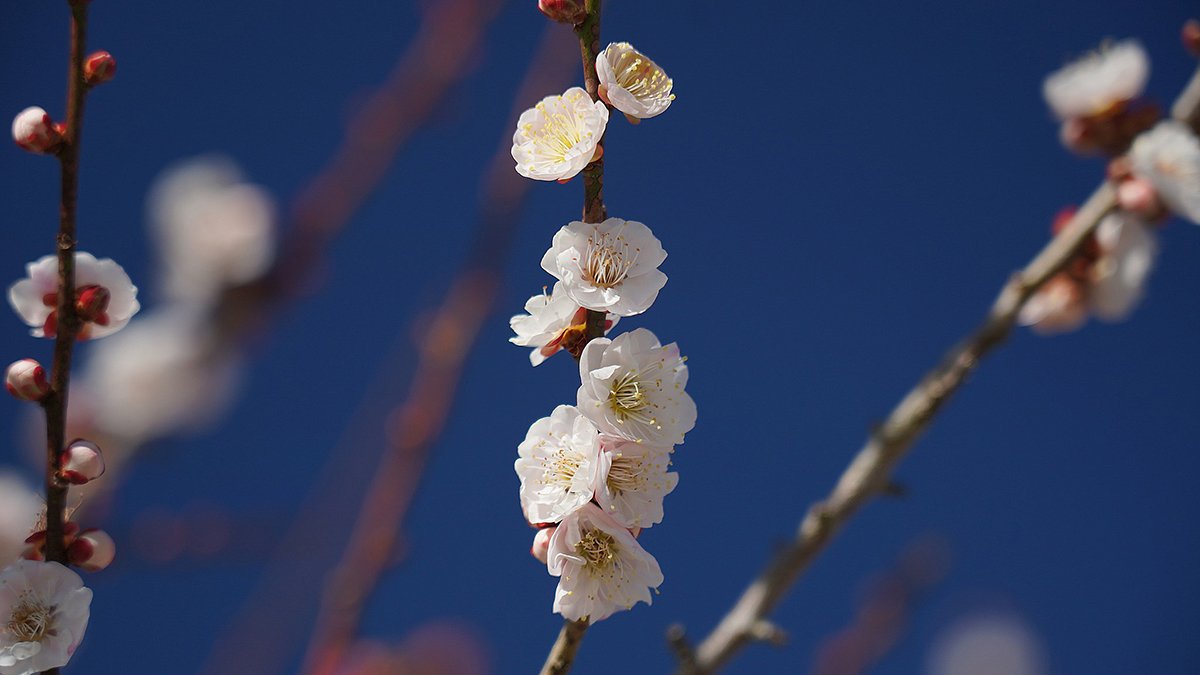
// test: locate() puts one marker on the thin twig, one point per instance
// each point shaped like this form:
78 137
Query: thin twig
562 654
870 471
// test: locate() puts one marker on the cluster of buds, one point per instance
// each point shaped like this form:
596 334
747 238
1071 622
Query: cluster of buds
1155 173
594 475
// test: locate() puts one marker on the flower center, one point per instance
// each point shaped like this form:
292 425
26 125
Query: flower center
559 132
561 467
642 77
598 550
626 474
608 260
628 399
31 619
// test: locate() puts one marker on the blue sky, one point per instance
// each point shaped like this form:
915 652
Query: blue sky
841 188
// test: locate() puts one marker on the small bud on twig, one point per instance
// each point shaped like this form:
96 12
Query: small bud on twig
98 68
26 379
93 550
564 11
81 462
33 130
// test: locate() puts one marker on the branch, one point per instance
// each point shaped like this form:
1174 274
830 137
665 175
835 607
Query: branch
871 470
562 654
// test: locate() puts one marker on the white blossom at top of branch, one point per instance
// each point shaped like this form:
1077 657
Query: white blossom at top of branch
1119 277
556 138
602 568
558 462
632 481
35 297
545 326
633 83
19 510
633 387
1095 83
610 266
158 377
44 611
213 229
1168 156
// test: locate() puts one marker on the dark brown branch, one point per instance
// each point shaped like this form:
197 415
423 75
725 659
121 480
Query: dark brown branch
871 470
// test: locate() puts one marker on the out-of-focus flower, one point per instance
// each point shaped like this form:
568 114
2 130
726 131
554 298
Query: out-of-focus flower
557 465
19 509
1118 279
44 611
213 229
633 387
987 644
82 462
1098 82
602 568
33 130
160 376
26 380
93 550
556 138
554 322
1168 157
1059 306
610 266
632 481
105 297
632 83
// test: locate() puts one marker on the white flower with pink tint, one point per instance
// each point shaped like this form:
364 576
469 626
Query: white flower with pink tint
546 326
557 465
1168 157
633 387
33 130
632 83
559 136
633 480
1059 306
608 267
213 229
1119 276
44 610
601 566
1099 81
104 296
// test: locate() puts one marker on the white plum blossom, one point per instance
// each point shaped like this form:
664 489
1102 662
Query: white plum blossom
601 566
35 297
545 326
632 481
633 83
608 267
1097 82
1168 157
556 138
633 387
557 465
213 229
1119 277
20 509
44 611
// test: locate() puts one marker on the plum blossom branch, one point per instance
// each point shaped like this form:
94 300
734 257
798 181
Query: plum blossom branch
869 474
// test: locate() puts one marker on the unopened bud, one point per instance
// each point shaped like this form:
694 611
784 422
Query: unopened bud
33 130
93 550
541 544
99 68
81 462
564 11
26 379
91 304
1191 36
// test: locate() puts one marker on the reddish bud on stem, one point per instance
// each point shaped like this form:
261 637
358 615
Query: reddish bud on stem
98 68
91 303
564 11
1191 36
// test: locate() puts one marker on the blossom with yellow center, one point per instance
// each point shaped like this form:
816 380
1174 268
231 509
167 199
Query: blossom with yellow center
633 480
44 612
608 267
601 567
559 136
632 83
557 465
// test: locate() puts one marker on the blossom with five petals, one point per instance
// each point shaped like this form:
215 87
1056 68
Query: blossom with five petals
559 136
608 267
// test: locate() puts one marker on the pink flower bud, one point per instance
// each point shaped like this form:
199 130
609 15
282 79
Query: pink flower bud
541 544
27 380
564 11
81 462
91 303
1139 197
33 130
93 550
99 68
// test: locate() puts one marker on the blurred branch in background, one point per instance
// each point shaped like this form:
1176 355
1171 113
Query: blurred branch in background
884 611
416 423
869 474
